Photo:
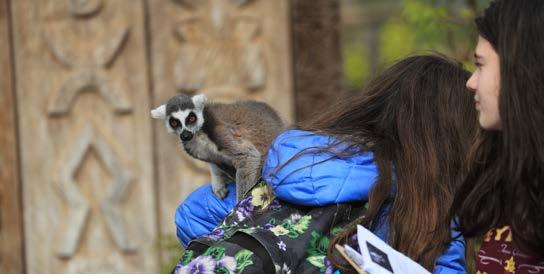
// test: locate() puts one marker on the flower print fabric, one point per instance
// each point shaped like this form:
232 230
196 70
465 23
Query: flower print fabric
293 239
214 260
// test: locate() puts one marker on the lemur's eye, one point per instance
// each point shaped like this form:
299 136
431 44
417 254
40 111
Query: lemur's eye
174 123
191 119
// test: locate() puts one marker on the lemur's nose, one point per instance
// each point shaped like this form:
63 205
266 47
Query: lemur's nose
186 136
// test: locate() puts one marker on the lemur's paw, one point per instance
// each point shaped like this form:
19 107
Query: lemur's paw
220 192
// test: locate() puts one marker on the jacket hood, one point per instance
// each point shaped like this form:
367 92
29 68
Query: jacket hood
303 176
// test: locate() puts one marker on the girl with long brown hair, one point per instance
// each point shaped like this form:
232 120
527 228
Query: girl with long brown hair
400 145
502 199
417 119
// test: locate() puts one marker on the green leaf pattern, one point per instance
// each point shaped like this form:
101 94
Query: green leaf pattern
293 227
216 252
317 248
187 257
317 261
243 260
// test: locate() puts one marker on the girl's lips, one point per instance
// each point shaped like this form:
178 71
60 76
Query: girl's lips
477 105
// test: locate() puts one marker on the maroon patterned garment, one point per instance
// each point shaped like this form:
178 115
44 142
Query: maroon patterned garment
497 255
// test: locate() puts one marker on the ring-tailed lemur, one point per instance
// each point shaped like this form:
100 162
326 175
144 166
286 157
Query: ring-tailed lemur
232 138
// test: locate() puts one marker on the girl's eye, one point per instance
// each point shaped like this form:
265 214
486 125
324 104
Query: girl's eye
174 123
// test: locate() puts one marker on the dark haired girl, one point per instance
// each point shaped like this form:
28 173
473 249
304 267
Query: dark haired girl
502 199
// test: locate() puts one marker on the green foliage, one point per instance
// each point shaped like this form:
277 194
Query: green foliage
427 21
356 67
425 26
414 27
397 39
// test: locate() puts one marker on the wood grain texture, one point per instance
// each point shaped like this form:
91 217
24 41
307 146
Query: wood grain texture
227 49
85 136
317 58
11 229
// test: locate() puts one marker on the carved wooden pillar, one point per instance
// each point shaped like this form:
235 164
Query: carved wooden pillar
85 136
227 49
11 229
317 58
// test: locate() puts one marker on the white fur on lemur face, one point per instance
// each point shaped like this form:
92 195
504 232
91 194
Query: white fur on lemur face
182 114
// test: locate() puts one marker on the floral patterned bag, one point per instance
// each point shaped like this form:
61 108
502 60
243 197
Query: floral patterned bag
264 235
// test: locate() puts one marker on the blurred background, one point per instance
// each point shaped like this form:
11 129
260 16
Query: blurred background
375 33
89 183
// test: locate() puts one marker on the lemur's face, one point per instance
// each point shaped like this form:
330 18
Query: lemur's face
182 115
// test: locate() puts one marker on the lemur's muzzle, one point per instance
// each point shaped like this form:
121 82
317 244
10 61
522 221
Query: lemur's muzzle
186 136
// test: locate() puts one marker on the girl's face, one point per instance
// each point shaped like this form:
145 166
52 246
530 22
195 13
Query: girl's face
485 82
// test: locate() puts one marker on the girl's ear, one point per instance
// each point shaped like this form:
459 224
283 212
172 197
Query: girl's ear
159 112
199 101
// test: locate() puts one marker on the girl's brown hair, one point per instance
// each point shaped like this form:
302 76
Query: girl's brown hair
505 186
419 121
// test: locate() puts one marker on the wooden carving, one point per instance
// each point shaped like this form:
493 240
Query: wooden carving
195 3
90 74
78 206
85 7
86 145
220 51
84 80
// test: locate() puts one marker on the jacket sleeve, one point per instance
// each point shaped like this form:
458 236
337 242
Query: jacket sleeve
308 178
201 212
452 261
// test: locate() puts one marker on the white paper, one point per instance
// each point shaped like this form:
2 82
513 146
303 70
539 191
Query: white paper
380 258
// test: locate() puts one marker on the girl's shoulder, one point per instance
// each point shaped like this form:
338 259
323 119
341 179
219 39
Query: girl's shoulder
302 173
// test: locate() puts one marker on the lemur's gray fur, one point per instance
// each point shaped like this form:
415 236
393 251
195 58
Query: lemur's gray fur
232 138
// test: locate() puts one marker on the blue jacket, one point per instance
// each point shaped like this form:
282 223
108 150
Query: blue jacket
328 181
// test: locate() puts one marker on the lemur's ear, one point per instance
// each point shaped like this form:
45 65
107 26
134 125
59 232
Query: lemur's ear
199 101
159 112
